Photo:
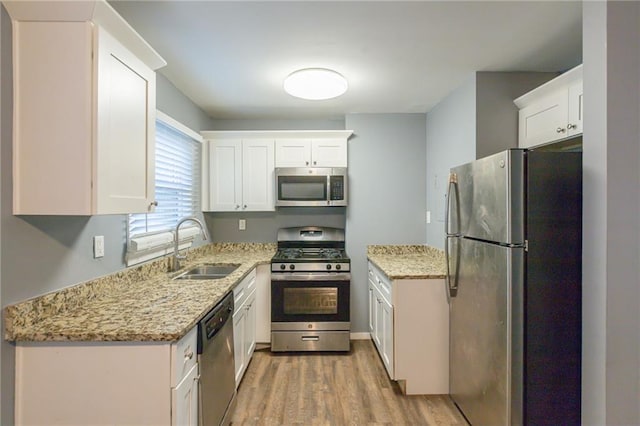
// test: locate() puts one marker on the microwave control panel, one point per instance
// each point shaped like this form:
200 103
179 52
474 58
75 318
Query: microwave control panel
336 186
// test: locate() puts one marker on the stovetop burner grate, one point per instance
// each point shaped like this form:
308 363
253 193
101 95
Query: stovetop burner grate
310 253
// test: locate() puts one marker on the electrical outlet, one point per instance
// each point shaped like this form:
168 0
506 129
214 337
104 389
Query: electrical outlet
98 246
242 224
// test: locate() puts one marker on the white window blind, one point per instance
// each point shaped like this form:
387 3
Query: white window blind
177 191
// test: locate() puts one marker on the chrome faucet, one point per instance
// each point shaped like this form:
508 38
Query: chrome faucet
176 255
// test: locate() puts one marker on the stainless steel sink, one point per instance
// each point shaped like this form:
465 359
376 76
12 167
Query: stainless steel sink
208 271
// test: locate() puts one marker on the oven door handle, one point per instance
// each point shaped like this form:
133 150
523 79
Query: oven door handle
305 276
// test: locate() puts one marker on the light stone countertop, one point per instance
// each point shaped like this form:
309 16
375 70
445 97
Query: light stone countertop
142 303
408 261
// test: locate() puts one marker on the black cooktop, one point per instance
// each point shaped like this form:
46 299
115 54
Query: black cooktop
313 254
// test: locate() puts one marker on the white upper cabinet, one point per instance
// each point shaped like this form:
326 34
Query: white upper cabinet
321 150
84 110
239 174
552 111
293 152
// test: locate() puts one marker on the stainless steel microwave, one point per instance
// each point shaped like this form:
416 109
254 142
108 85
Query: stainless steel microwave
311 186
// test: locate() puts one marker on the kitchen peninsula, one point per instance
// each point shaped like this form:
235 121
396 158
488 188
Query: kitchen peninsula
409 315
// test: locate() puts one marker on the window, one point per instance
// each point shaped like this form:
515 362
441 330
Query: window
178 169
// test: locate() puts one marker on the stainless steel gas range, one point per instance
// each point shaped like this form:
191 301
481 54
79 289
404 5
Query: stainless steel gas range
310 286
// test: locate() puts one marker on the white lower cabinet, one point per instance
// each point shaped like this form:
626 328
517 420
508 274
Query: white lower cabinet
409 325
184 398
107 383
244 324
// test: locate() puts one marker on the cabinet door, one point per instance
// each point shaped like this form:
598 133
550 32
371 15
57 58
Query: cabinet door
239 333
574 124
293 152
544 121
372 307
185 400
377 320
329 153
225 180
124 177
263 304
258 175
250 328
387 336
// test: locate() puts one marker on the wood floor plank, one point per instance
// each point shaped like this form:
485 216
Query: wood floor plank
332 389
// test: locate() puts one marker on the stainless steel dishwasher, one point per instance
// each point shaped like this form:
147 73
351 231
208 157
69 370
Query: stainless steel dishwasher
215 358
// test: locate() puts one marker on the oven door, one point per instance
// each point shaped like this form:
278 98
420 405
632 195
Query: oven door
309 300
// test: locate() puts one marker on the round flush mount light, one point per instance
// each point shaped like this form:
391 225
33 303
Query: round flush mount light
315 84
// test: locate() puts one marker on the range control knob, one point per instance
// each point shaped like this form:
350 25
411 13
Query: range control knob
292 266
283 266
338 266
328 266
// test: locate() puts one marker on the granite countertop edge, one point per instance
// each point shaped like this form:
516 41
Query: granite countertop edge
138 304
400 262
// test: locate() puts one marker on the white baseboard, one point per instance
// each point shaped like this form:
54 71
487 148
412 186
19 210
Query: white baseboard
360 336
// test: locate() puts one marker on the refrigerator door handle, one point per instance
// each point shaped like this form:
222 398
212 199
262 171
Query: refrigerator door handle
452 189
446 210
451 281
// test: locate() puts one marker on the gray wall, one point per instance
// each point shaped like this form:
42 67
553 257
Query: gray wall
387 193
611 231
278 124
496 114
174 103
262 227
62 245
477 119
451 140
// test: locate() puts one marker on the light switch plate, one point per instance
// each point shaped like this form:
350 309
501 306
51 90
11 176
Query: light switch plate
242 224
428 216
98 246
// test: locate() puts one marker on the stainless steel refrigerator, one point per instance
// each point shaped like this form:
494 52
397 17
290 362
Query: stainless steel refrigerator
513 248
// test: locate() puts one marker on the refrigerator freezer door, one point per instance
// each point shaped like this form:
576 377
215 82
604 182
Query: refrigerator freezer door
485 372
491 192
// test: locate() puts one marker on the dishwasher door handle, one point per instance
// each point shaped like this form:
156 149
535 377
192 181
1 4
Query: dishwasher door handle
310 338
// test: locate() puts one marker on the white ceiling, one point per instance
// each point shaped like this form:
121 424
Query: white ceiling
230 57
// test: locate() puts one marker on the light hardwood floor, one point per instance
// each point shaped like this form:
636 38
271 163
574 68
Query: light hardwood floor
332 389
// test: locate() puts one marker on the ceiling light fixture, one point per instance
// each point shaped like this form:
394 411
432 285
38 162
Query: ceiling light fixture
315 84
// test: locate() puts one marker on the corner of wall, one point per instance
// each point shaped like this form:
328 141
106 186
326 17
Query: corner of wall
496 114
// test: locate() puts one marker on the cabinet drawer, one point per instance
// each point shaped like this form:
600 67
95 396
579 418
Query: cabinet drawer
381 282
242 290
184 356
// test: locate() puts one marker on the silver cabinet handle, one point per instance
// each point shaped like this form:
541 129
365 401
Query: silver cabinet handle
572 126
237 206
310 338
315 162
244 207
560 130
188 356
306 163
